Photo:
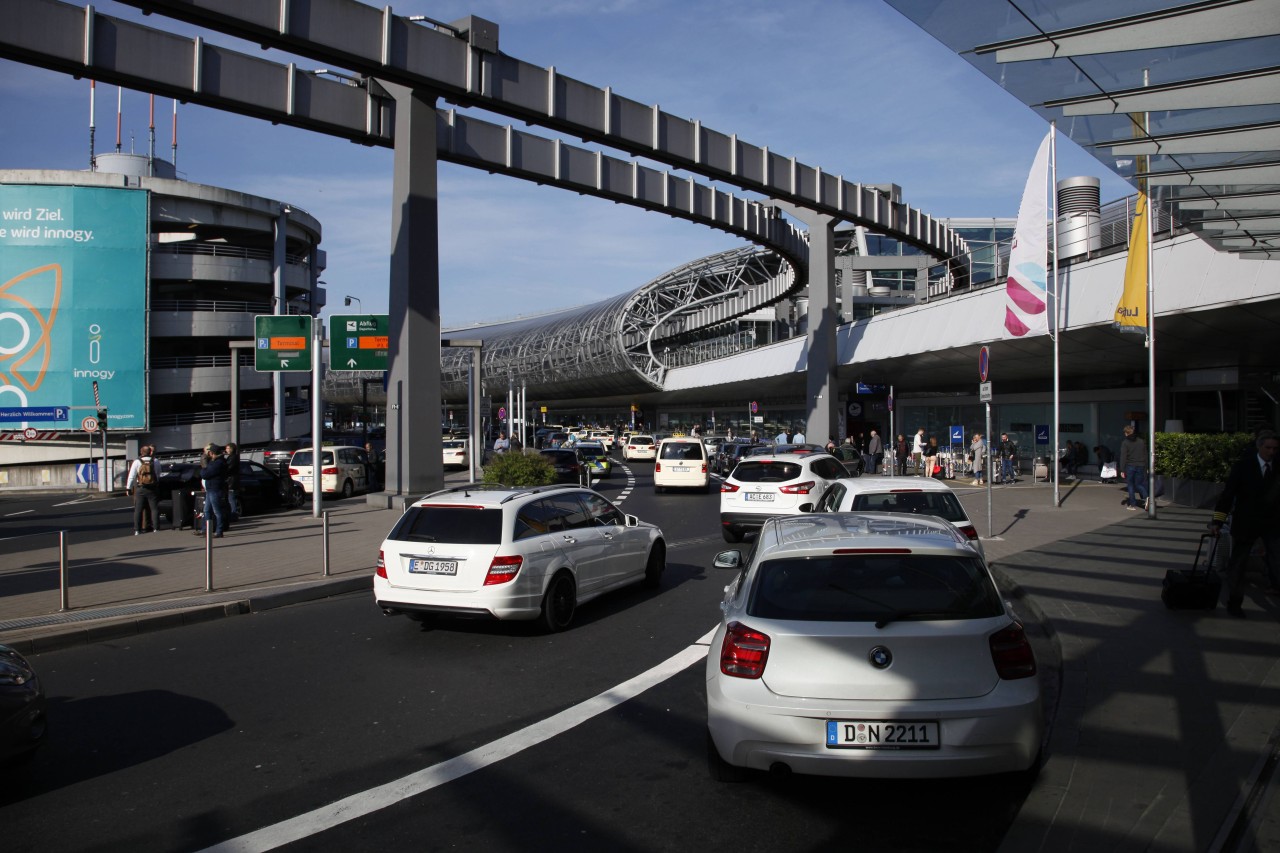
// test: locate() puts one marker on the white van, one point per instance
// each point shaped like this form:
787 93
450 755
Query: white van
681 463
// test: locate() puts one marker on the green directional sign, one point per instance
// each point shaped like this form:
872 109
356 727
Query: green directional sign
358 342
282 342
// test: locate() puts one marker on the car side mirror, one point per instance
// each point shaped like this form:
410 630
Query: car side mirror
632 521
728 560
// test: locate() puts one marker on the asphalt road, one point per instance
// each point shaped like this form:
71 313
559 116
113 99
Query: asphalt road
187 738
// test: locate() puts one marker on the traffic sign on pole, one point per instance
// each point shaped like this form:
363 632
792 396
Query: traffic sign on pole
282 342
89 424
984 364
359 342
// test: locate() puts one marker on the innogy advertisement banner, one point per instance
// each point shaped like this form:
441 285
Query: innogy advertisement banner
73 298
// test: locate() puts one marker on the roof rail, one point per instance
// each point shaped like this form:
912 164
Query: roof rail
535 490
468 487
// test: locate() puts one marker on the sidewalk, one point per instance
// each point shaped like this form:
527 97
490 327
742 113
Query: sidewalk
1165 721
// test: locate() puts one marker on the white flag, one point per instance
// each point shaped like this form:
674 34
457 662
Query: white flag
1026 294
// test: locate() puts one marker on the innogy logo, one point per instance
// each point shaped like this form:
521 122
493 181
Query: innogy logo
26 330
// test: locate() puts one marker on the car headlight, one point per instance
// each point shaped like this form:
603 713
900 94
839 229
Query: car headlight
14 669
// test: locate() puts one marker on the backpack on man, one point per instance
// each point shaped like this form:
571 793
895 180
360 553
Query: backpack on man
146 472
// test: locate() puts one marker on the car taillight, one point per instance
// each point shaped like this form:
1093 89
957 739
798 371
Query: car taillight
381 570
293 472
328 471
799 488
970 531
502 569
728 487
704 467
1011 653
657 466
744 652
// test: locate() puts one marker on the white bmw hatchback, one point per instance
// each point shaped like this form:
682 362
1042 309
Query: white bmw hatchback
913 495
482 552
870 645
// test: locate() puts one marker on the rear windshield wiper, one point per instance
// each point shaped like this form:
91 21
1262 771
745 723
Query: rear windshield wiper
911 614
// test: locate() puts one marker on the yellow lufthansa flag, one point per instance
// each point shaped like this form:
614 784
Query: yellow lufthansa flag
1131 313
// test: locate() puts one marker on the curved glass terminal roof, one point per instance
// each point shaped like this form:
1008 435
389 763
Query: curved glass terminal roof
617 346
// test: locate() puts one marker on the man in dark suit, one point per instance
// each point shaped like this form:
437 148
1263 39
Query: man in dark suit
1252 497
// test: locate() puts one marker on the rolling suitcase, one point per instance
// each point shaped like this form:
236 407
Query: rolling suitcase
1197 588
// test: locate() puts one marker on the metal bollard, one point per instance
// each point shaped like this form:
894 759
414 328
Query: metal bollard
64 580
208 553
324 544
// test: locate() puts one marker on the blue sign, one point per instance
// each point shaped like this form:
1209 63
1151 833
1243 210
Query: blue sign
73 302
1042 433
57 413
864 388
87 473
957 435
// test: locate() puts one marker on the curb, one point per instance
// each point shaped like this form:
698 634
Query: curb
106 627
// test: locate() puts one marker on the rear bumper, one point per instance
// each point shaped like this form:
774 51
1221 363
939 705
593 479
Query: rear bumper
742 522
997 733
505 601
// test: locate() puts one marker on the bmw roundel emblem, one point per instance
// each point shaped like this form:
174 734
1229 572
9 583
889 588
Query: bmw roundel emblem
880 657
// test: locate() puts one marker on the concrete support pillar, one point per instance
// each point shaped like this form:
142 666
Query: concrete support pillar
413 384
820 382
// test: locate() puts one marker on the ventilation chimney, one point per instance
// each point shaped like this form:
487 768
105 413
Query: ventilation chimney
1079 217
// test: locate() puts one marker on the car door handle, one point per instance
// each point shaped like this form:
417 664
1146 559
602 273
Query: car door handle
569 539
607 535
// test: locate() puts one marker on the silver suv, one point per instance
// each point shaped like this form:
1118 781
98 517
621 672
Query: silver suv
479 551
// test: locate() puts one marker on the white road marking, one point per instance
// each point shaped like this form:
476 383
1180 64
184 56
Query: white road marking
367 802
20 512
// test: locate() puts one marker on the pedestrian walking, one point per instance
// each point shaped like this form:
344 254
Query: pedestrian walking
214 475
978 459
931 458
874 452
1133 467
141 486
918 442
1252 498
1008 451
232 455
902 449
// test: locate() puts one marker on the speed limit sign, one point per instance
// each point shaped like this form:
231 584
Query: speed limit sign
89 424
29 433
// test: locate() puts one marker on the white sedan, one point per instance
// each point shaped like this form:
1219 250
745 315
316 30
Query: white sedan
454 453
869 645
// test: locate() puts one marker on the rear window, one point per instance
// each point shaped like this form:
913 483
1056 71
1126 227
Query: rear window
942 504
682 450
592 452
640 439
766 472
560 457
871 587
303 457
449 524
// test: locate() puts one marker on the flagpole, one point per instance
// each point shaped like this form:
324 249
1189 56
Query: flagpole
1057 311
1151 330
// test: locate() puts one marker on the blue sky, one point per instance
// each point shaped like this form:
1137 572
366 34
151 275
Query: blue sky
851 86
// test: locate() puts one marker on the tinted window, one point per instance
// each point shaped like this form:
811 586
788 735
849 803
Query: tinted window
640 439
831 500
828 468
571 511
603 512
560 457
682 450
869 587
766 472
942 504
303 457
449 524
535 519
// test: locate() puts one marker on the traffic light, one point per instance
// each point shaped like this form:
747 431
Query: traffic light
102 419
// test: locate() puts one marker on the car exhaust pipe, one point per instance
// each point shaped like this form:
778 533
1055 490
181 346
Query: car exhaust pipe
780 769
387 611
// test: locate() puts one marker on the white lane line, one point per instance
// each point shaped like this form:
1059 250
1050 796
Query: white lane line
20 512
367 802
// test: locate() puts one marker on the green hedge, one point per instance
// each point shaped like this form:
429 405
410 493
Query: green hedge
525 468
1199 456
